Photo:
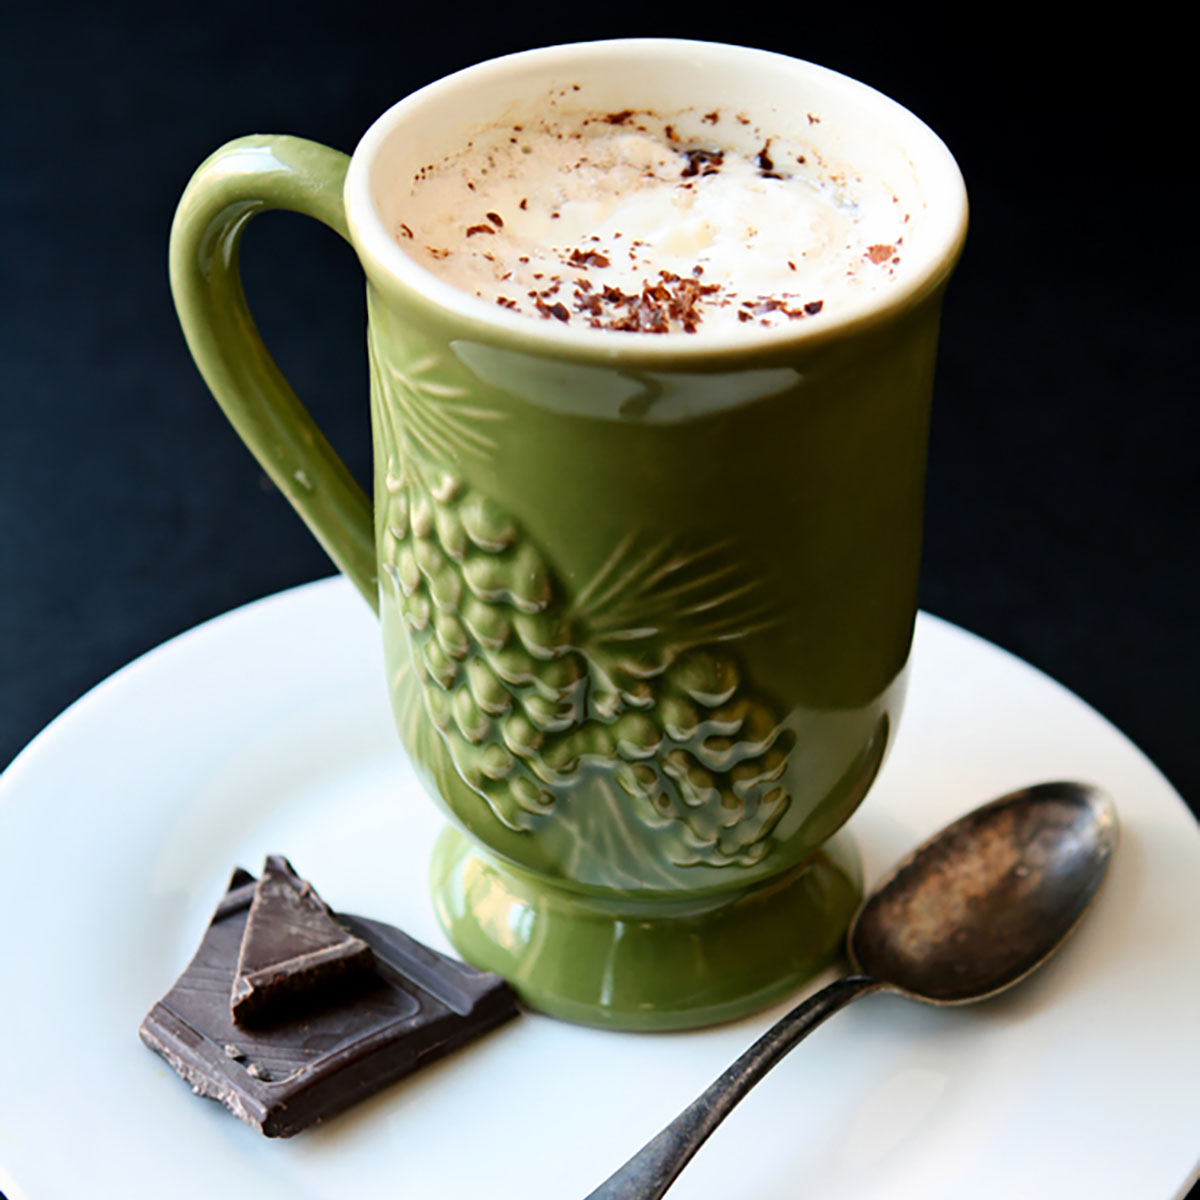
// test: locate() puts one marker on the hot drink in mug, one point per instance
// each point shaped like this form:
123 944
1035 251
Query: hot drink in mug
652 330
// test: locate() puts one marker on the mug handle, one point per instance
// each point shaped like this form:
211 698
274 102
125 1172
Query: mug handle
243 178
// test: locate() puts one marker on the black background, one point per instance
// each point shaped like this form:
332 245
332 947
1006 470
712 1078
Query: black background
1062 496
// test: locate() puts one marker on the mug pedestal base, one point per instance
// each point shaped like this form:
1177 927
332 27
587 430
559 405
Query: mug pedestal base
636 963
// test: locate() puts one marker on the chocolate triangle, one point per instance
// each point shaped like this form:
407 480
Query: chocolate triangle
294 952
416 1006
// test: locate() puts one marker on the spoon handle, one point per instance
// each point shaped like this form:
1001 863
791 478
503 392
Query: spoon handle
648 1174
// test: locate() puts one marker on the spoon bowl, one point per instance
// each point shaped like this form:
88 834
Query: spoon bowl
966 915
989 898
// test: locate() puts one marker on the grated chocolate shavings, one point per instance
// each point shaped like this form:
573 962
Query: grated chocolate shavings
763 305
665 302
587 258
556 310
702 162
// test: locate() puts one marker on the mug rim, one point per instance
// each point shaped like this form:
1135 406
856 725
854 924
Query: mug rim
383 258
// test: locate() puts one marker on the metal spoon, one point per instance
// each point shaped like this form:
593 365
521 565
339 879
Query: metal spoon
968 914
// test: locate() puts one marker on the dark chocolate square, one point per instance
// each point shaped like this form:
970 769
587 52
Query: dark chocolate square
281 1078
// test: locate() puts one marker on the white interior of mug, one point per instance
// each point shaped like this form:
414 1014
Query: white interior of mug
853 128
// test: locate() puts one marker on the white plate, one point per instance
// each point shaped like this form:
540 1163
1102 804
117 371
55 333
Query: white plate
268 730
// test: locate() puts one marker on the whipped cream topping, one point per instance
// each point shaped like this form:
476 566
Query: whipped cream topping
657 223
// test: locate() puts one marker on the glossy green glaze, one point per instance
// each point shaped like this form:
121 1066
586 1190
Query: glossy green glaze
246 177
643 651
646 615
659 964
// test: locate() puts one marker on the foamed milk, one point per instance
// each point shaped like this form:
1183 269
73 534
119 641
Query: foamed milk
640 221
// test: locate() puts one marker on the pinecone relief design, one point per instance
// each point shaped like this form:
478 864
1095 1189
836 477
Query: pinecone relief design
546 699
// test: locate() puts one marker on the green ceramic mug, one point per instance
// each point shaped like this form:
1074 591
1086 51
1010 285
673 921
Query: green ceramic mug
646 602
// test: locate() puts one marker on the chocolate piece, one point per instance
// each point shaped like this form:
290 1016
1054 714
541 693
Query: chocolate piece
416 1006
293 950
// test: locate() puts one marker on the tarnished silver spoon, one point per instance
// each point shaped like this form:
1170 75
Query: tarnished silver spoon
966 915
